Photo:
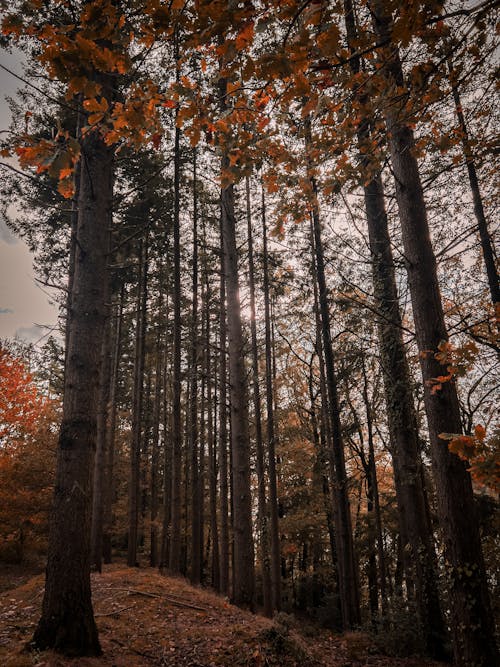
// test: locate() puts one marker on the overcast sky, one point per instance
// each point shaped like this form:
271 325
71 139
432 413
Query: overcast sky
25 310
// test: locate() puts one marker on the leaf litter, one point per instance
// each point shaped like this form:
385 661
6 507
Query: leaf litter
147 619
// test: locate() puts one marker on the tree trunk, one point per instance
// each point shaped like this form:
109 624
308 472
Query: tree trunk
259 447
155 451
67 623
175 524
271 444
224 491
470 609
196 547
101 453
482 225
110 434
348 580
405 452
137 408
211 433
243 574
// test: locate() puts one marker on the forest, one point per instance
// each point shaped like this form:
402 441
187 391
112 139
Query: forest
270 227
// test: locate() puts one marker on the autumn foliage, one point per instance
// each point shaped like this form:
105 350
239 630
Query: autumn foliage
27 455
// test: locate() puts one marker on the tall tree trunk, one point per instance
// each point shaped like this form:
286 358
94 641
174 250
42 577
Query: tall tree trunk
175 524
259 446
348 579
155 441
373 485
271 444
109 487
137 408
67 622
224 491
482 224
196 547
101 453
326 442
211 431
405 451
243 572
167 440
470 609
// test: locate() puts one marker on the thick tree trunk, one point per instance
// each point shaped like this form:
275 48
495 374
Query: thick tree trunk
405 452
259 446
271 444
470 609
67 623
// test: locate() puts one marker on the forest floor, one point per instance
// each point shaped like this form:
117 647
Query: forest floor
146 619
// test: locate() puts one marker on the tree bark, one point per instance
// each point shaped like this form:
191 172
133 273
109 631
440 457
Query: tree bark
155 436
348 579
482 224
222 445
196 547
243 574
176 500
402 421
271 444
259 445
102 454
67 623
470 609
110 435
137 408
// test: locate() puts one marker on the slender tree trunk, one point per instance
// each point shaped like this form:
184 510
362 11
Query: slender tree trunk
101 453
259 446
110 434
470 609
203 435
67 623
155 444
167 439
211 416
175 525
196 547
482 224
373 484
348 580
224 491
271 444
137 409
326 442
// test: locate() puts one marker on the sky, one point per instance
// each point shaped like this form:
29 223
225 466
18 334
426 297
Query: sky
25 308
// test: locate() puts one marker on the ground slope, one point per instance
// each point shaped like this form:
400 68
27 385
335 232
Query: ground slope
147 619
